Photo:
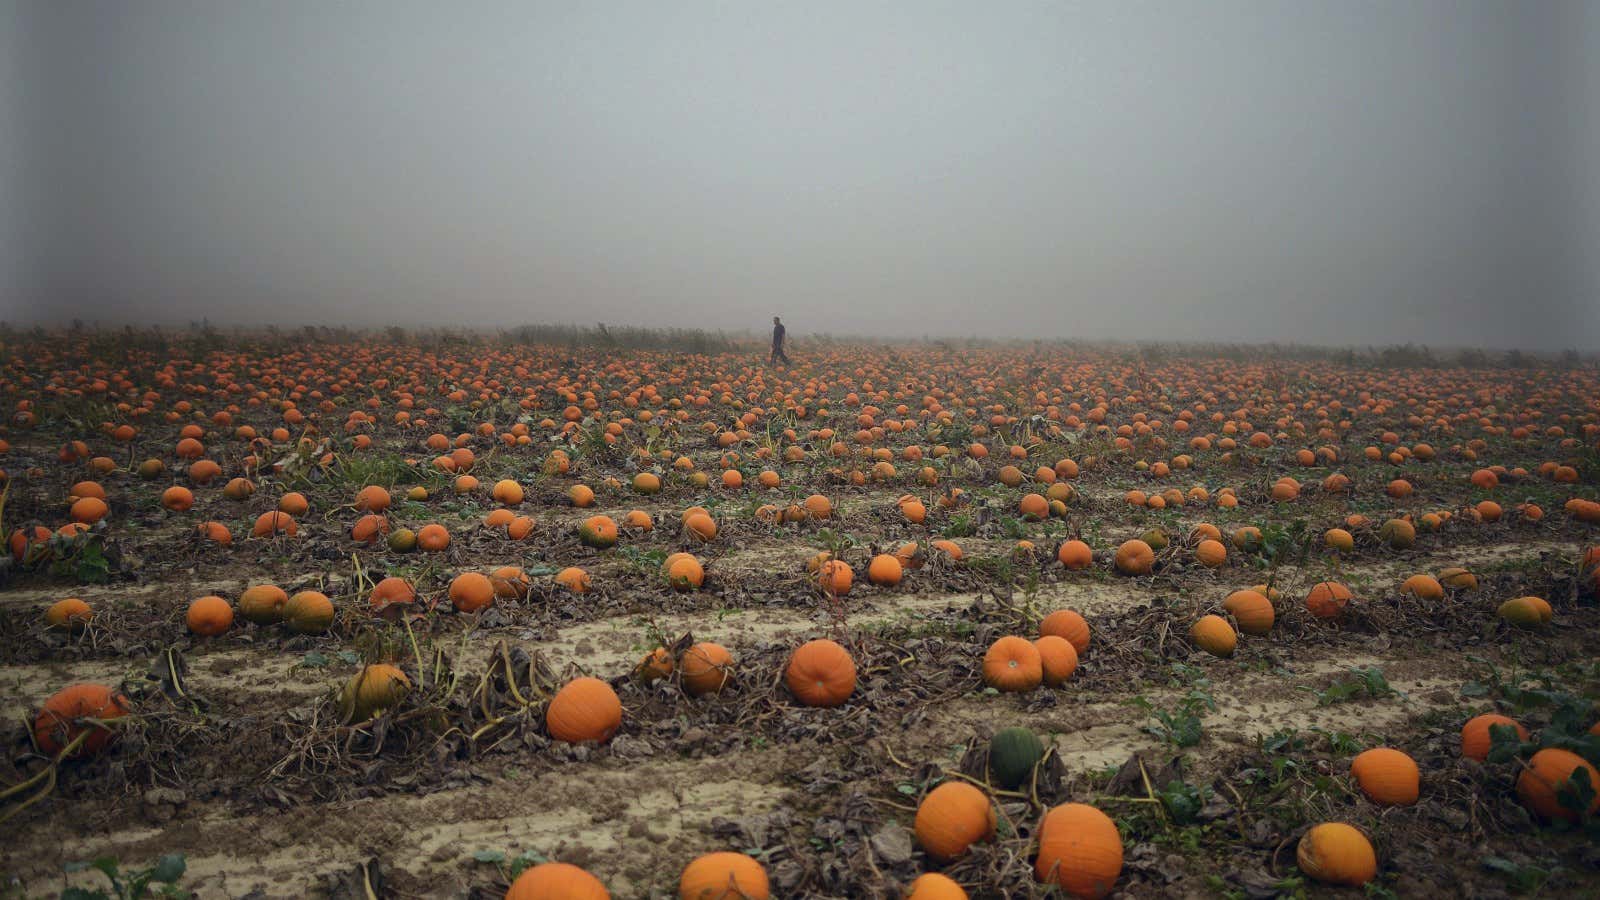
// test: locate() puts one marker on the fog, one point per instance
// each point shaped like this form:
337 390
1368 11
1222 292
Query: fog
1330 173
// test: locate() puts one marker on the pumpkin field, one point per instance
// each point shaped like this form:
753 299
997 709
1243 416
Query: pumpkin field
399 616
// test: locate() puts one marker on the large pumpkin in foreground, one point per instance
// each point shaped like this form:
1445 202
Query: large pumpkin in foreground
61 719
1079 850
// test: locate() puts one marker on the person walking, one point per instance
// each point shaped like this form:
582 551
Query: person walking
778 331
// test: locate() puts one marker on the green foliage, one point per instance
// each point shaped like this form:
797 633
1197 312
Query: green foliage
510 866
1183 801
1366 683
158 880
1525 878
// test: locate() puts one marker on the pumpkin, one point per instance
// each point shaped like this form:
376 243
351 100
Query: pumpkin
1252 610
724 876
433 538
1422 587
70 614
884 570
372 690
685 573
1552 773
1526 612
1247 539
574 579
951 818
274 523
1013 752
821 673
1058 659
372 499
1134 557
507 492
209 616
59 722
1210 553
1033 507
706 668
402 540
1387 776
391 591
510 583
655 665
1327 599
1476 736
263 604
557 881
585 709
933 886
1012 664
1398 533
1336 853
1075 555
1339 539
309 612
599 532
647 483
1214 635
369 528
1079 850
834 577
1067 624
1156 537
88 510
471 591
701 526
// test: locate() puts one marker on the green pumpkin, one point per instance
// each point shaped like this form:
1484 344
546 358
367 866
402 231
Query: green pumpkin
1156 538
1013 752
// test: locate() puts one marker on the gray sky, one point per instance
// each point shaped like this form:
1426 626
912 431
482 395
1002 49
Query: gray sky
1368 172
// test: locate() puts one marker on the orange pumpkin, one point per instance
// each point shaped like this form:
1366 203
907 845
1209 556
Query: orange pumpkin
724 876
1387 776
821 673
834 577
60 719
1066 623
706 668
471 591
1327 599
1214 635
585 709
1548 773
1079 850
1476 739
70 614
209 616
1251 610
1012 664
557 881
1336 853
951 818
309 612
263 604
1211 554
1058 659
933 886
1075 555
1135 557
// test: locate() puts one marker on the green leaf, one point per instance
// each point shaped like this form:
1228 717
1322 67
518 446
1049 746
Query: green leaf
489 856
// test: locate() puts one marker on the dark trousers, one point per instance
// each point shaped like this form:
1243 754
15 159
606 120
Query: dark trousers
778 356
